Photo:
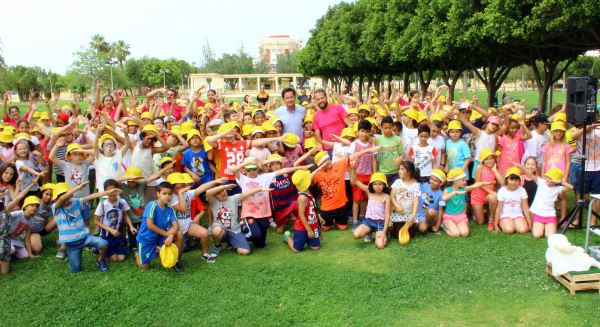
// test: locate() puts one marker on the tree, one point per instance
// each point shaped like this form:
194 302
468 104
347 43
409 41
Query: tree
100 44
120 50
286 63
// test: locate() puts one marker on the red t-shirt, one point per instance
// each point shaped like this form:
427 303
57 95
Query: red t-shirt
112 112
310 212
231 154
196 207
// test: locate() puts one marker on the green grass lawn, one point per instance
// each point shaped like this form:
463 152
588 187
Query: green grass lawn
485 280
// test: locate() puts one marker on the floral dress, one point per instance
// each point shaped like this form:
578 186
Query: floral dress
405 195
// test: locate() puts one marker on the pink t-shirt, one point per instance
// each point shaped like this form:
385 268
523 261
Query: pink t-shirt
292 156
510 151
259 204
556 155
177 110
330 121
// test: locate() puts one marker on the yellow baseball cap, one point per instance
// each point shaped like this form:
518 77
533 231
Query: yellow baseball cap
513 171
175 178
435 117
555 174
301 179
257 129
557 126
22 136
247 129
132 123
168 255
321 157
187 178
225 127
150 128
267 127
191 133
422 116
105 137
165 159
59 189
47 186
309 118
36 114
352 111
378 177
6 137
456 174
290 140
412 114
348 132
72 147
310 142
455 124
44 116
437 173
485 152
133 172
364 107
560 116
146 115
274 156
32 199
375 100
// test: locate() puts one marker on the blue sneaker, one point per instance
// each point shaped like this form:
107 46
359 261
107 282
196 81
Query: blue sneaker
102 265
215 250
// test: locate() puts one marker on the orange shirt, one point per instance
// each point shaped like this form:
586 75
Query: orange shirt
333 185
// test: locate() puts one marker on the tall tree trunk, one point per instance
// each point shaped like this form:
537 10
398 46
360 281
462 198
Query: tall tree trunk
448 75
360 88
492 77
425 79
544 80
389 83
406 83
465 83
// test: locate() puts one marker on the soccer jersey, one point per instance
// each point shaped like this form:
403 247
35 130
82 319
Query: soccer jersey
231 154
310 212
283 192
162 218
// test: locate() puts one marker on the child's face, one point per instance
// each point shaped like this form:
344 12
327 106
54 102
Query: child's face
531 165
76 157
363 135
8 174
353 118
22 150
435 183
164 196
68 137
558 135
308 126
259 119
247 120
222 196
279 127
454 134
542 128
275 166
363 114
513 183
47 196
14 113
132 129
435 131
111 197
387 129
252 172
396 130
160 126
271 134
195 141
378 187
148 140
30 210
23 127
489 161
178 188
550 182
514 127
233 116
492 128
423 137
402 173
461 182
172 140
257 136
108 148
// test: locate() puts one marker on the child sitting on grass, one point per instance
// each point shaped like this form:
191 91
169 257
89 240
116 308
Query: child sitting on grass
73 227
512 212
159 226
306 226
429 212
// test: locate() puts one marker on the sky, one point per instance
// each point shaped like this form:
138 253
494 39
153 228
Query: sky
48 33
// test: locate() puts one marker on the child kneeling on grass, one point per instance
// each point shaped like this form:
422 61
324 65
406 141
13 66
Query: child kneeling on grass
159 226
225 226
512 212
306 226
73 228
111 216
379 208
456 223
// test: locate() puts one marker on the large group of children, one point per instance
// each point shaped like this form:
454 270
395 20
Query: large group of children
129 177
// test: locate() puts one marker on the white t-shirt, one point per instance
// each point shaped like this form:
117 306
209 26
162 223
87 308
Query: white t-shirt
188 196
108 168
592 151
142 158
112 214
484 140
533 147
545 197
341 151
511 207
409 136
440 145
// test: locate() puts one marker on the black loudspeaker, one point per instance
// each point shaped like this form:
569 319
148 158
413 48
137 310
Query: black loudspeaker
581 99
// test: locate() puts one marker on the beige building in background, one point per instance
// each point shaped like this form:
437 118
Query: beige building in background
274 45
251 83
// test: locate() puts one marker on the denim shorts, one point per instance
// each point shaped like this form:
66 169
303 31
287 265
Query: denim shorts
75 250
574 175
374 225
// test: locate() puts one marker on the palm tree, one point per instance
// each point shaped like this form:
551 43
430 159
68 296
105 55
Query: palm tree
120 50
2 63
99 44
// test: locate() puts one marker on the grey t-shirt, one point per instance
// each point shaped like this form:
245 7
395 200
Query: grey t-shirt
38 222
225 213
75 174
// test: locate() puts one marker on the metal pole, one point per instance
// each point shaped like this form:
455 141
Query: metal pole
111 79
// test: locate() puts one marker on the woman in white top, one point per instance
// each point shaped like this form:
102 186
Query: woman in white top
142 154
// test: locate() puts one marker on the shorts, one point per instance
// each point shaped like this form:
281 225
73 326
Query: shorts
478 197
574 175
283 216
374 225
520 217
357 193
301 238
184 225
148 252
18 250
592 182
337 216
116 245
458 218
236 240
543 220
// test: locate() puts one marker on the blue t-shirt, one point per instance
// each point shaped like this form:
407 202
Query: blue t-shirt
162 218
429 199
197 162
457 153
69 220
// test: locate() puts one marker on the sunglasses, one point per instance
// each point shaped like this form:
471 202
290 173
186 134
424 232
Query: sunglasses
251 169
214 128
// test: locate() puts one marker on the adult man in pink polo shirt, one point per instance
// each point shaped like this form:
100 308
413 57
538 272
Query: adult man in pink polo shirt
329 119
171 102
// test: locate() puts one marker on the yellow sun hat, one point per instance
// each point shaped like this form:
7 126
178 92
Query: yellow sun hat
132 123
555 174
247 129
36 114
274 156
404 235
168 255
375 100
513 171
44 116
456 174
515 117
150 128
290 140
364 107
187 178
301 179
321 157
372 120
352 111
32 199
257 129
412 114
22 136
146 115
557 126
382 112
191 133
485 152
73 147
133 172
226 127
422 116
309 118
60 189
378 177
310 142
439 174
348 132
175 178
104 138
435 117
6 137
47 186
560 116
268 127
165 159
455 124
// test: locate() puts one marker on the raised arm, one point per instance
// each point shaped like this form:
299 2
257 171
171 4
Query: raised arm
253 191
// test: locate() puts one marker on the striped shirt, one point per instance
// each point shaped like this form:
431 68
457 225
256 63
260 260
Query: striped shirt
61 154
69 221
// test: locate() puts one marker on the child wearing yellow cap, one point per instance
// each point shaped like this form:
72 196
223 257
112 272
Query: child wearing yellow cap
458 153
455 221
549 188
142 156
512 213
306 226
429 212
365 166
29 166
379 207
41 223
109 158
75 167
510 136
392 150
487 171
